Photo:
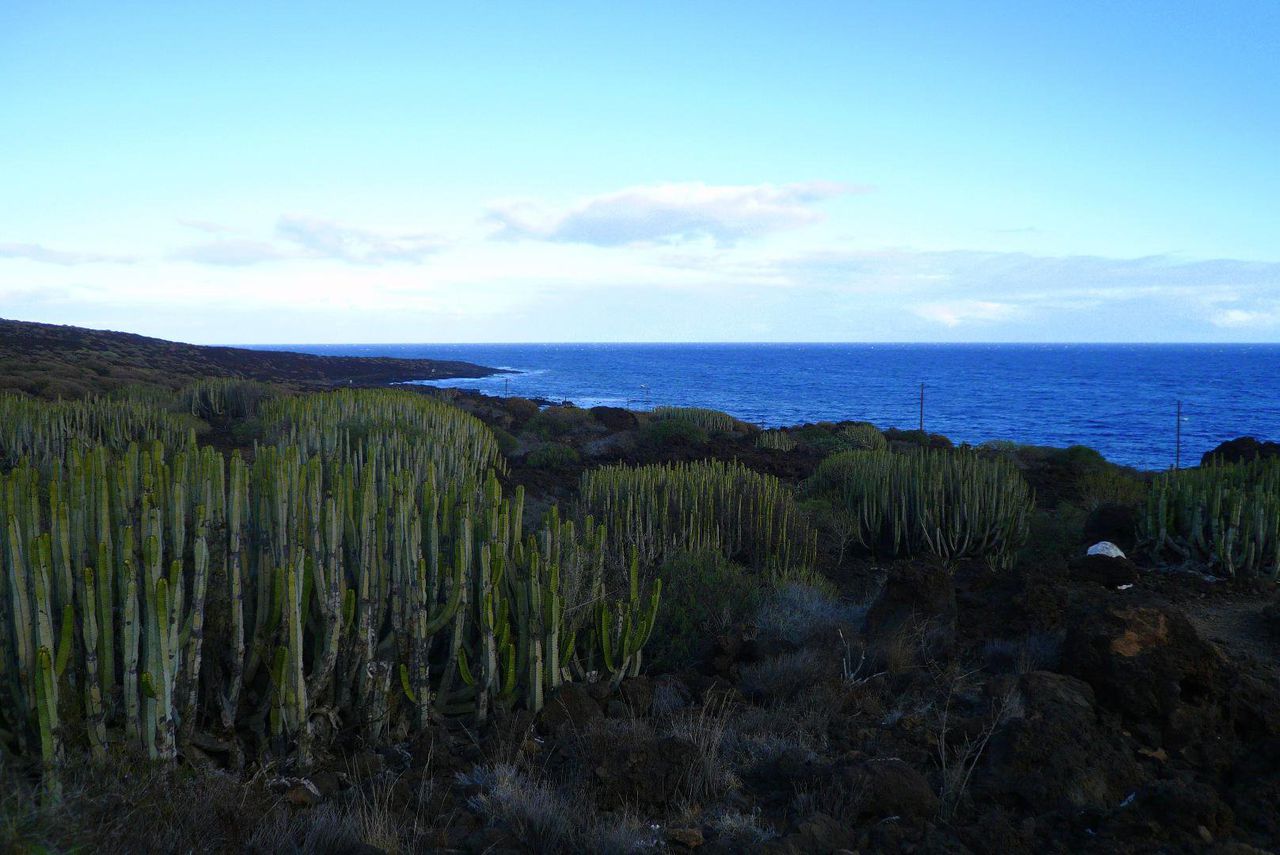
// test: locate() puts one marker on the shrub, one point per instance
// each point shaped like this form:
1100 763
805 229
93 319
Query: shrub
787 674
820 437
795 613
1055 535
862 436
1110 485
520 409
561 422
507 443
741 829
552 455
672 433
950 504
829 438
534 812
701 594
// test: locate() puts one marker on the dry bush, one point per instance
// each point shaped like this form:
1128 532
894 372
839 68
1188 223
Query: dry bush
529 808
707 729
789 674
958 756
622 835
1035 652
132 807
796 613
741 829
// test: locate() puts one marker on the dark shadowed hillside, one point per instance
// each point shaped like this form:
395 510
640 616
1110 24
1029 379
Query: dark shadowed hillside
64 361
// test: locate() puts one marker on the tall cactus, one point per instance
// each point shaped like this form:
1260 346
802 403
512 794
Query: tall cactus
188 597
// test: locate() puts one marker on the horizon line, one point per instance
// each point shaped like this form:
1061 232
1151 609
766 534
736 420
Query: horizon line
898 343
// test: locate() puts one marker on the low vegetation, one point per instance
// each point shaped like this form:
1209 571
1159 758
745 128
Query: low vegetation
1226 516
952 505
662 511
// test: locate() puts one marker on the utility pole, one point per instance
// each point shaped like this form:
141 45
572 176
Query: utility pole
1177 448
922 409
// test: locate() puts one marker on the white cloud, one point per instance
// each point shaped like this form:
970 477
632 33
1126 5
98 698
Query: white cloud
954 314
321 238
670 213
1237 318
302 237
65 258
233 253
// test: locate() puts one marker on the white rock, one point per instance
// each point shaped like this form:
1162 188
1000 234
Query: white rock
1106 548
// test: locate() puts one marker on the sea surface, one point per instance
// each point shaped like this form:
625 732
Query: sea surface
1119 399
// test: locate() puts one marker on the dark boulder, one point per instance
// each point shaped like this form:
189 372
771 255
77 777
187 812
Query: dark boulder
1117 524
639 770
637 694
1054 752
817 833
1178 808
572 708
876 788
916 597
1240 450
1104 570
614 418
1147 662
1271 618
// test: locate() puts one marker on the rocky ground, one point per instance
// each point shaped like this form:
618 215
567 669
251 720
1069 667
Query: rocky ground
1073 704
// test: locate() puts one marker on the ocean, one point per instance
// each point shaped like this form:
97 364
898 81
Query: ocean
1120 399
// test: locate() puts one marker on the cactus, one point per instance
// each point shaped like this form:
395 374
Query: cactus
179 591
1226 517
954 505
775 440
712 421
625 626
661 511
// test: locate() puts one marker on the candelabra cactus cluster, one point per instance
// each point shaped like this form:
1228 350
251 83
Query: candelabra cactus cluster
44 431
712 421
775 440
660 511
370 574
953 505
862 436
1225 516
224 396
414 432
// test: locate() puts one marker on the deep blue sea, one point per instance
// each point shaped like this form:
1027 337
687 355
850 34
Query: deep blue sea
1119 399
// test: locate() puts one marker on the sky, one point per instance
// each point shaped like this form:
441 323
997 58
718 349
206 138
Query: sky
316 172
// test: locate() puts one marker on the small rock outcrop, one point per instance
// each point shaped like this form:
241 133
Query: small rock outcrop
1148 663
1107 548
1055 752
1241 450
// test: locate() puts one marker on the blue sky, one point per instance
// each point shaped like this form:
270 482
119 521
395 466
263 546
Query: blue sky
847 171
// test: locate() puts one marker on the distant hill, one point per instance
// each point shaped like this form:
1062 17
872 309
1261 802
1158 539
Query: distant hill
62 361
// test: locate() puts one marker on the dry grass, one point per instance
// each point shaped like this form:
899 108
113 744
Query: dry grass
530 808
741 829
796 613
706 728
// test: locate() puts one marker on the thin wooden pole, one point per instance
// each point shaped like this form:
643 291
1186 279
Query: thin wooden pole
922 408
1177 448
